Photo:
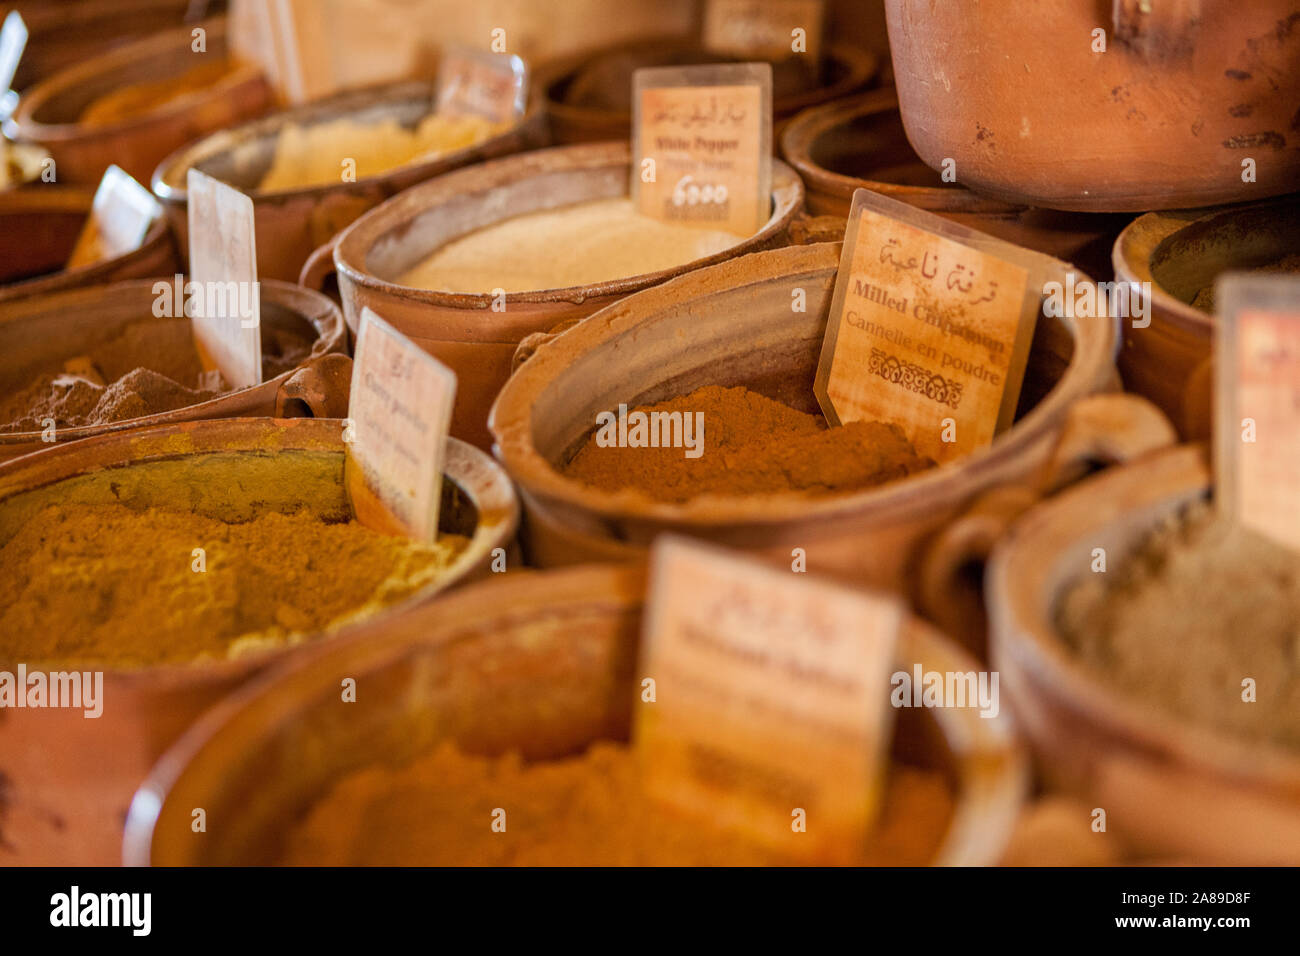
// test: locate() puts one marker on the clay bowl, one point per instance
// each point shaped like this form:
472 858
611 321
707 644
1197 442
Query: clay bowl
293 222
1161 120
464 331
846 70
41 332
38 230
72 31
542 663
1178 254
1172 789
48 113
859 143
732 324
70 779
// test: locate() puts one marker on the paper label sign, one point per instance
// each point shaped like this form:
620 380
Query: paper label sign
479 83
702 145
771 697
400 410
929 328
223 268
767 29
120 218
13 40
1257 432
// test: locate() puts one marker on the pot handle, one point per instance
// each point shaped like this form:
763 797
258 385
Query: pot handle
1099 430
535 340
319 388
807 229
319 266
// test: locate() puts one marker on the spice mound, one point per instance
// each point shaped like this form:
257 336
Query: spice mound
1198 608
582 244
314 155
103 584
588 810
750 445
141 98
151 367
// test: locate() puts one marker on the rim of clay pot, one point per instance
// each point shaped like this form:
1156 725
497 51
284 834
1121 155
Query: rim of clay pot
51 198
26 123
510 420
854 66
168 181
475 473
314 307
395 216
986 754
1026 575
1147 236
800 140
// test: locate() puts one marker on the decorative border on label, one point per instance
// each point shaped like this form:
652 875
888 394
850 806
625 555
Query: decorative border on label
915 378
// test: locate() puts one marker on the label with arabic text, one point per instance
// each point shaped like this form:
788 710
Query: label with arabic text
926 332
701 145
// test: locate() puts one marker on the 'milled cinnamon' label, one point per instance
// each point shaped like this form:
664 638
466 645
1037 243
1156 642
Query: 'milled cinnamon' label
764 699
930 327
702 144
480 83
1257 431
399 412
223 267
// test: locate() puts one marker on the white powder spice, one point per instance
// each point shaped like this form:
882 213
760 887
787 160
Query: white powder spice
576 245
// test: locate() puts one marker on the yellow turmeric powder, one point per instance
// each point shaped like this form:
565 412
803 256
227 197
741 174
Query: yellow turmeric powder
103 584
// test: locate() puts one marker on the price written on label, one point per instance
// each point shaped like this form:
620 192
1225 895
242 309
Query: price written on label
223 266
926 330
120 217
702 140
1257 439
479 83
400 406
772 699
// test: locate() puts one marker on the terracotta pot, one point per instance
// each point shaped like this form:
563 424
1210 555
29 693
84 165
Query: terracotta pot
1178 254
538 663
65 32
69 778
847 70
729 325
1171 789
293 222
859 143
38 230
48 113
43 331
1184 92
463 331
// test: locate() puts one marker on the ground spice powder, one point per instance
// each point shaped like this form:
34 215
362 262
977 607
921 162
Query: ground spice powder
588 810
138 99
752 445
101 584
150 367
1197 608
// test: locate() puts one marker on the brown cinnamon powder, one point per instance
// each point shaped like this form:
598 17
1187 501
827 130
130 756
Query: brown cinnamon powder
752 445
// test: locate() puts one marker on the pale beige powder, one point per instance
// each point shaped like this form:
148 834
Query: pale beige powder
575 245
